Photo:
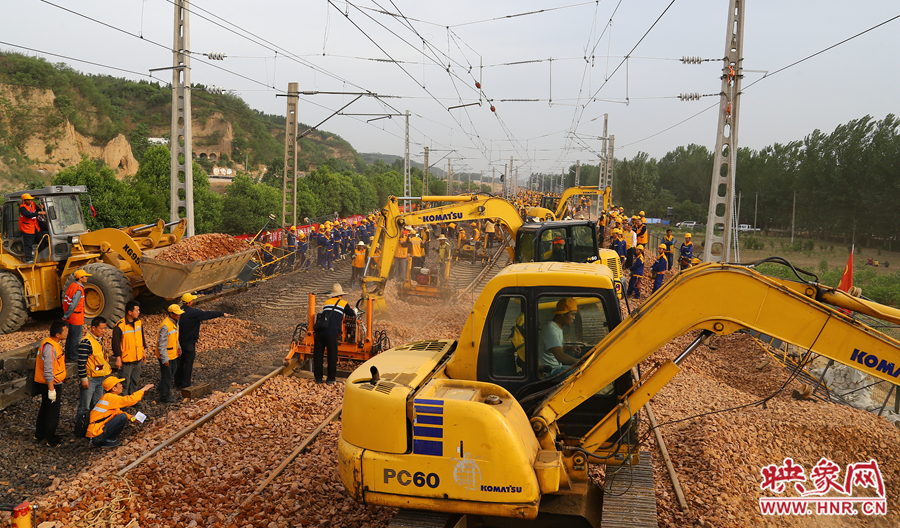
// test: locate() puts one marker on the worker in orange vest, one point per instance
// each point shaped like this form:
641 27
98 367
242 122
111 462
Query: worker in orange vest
107 418
73 312
29 212
128 346
359 262
49 374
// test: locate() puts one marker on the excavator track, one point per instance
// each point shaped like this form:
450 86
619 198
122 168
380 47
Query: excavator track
629 498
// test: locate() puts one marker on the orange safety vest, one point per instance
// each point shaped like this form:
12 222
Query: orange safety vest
97 366
108 407
171 330
642 236
416 247
132 341
77 317
28 225
359 258
59 363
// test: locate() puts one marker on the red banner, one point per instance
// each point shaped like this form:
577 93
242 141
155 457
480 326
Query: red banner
275 237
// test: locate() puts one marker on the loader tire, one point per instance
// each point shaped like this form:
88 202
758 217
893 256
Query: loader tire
106 292
13 310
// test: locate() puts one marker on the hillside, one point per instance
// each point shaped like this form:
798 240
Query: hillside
51 115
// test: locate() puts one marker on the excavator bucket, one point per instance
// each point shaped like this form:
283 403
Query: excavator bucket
169 279
373 288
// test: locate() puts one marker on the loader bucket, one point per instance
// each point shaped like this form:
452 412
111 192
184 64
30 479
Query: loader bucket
169 279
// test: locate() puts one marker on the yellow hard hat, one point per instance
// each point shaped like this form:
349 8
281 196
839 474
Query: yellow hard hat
188 297
27 196
111 382
695 261
687 235
175 309
81 273
473 224
641 213
565 306
640 246
293 228
662 246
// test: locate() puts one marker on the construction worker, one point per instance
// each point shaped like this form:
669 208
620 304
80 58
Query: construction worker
659 268
630 241
416 251
291 246
445 253
320 245
641 231
29 212
329 249
333 311
476 233
49 375
669 242
188 335
637 273
359 262
93 368
686 251
107 418
168 351
128 346
425 234
302 247
73 312
489 229
401 255
619 244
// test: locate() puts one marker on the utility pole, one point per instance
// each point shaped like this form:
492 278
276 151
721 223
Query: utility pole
603 181
721 217
794 216
755 209
611 163
516 183
577 173
406 182
449 179
182 164
508 175
493 179
425 175
504 182
291 151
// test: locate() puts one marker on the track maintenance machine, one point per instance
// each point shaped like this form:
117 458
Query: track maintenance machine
554 207
560 241
120 261
474 428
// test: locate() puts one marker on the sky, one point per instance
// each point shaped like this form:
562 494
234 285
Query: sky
427 56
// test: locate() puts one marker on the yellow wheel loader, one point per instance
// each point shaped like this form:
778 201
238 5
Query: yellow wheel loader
120 261
500 427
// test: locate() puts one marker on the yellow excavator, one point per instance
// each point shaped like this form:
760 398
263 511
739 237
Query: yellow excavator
559 241
483 432
554 207
121 261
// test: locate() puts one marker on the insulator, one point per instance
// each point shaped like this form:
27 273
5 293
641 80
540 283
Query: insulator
493 109
691 59
478 85
215 90
691 96
216 56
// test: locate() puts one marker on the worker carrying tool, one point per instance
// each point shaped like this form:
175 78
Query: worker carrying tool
637 272
327 330
658 269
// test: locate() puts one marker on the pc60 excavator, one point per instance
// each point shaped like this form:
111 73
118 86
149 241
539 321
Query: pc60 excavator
486 428
560 241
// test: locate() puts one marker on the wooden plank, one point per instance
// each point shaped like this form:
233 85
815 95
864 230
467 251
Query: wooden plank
18 364
197 391
12 391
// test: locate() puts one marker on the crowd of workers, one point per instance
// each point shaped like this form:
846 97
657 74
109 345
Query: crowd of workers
111 382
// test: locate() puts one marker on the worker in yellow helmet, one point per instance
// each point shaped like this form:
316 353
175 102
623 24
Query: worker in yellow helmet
658 269
637 273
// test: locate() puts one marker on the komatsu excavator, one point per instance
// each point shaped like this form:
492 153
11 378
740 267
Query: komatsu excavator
485 431
561 241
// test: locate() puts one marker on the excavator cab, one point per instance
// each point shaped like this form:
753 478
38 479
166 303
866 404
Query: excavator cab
562 241
519 324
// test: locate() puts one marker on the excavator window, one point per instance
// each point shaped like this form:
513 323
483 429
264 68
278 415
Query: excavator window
583 243
553 245
588 327
525 248
507 338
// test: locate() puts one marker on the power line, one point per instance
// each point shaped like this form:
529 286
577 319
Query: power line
77 60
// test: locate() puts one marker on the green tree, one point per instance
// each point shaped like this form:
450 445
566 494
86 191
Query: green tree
139 142
116 203
247 206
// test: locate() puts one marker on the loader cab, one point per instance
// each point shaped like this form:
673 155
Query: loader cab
65 222
521 321
561 241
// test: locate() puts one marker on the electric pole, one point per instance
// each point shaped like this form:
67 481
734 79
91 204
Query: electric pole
181 165
406 182
449 179
425 175
291 151
720 224
611 163
493 179
577 173
508 175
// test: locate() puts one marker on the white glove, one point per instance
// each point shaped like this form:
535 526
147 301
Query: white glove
51 395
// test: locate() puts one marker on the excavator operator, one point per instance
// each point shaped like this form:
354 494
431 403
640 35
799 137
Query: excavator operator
553 357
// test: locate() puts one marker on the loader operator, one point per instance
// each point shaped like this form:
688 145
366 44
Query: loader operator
29 213
333 312
553 358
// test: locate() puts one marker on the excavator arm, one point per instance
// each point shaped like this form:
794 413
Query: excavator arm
720 299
